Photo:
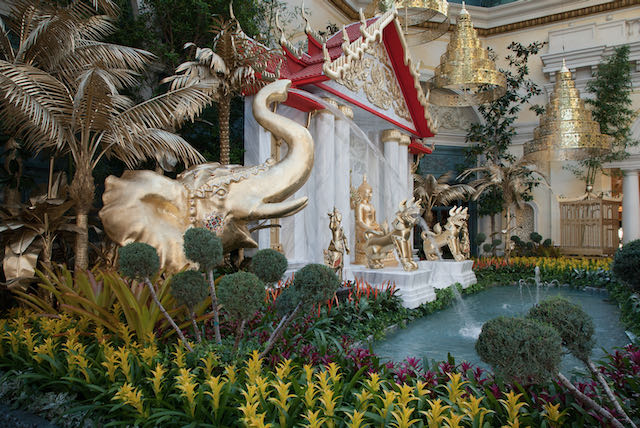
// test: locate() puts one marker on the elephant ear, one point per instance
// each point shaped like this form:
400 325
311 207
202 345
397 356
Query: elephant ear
143 206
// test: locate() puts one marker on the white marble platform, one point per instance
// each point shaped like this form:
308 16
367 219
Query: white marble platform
414 288
447 272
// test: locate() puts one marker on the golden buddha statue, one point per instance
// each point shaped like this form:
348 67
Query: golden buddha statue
365 219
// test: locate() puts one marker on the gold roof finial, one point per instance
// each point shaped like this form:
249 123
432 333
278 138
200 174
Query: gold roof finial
566 130
466 69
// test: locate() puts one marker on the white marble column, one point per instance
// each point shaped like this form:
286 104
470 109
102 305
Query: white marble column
392 189
341 174
403 167
322 197
630 206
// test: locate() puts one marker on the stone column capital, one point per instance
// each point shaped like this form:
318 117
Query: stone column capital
346 110
405 140
389 135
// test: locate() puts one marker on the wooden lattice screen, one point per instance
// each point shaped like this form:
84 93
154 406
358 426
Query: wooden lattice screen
589 226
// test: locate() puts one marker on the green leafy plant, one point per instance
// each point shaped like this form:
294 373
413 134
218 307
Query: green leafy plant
241 295
626 264
190 288
576 329
269 265
140 261
205 248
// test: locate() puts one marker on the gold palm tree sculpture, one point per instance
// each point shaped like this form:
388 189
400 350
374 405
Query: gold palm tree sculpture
59 89
514 181
236 65
434 191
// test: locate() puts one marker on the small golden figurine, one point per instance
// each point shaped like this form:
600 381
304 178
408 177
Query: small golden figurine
365 220
334 255
450 236
379 246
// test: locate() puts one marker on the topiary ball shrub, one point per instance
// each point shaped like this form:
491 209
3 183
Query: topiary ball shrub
547 243
521 350
189 288
574 325
269 265
203 247
241 295
316 283
535 237
480 238
287 301
626 264
138 260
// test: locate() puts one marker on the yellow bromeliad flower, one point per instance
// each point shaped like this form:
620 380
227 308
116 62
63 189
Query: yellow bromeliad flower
329 403
356 420
373 382
178 356
402 417
387 403
333 370
512 404
455 387
29 339
123 362
282 399
131 396
453 420
82 364
436 413
14 340
323 380
48 347
313 419
230 373
215 385
258 421
553 414
263 385
249 412
310 395
149 353
405 394
111 361
210 362
512 424
283 369
472 408
254 367
308 373
421 389
363 398
157 378
186 384
125 333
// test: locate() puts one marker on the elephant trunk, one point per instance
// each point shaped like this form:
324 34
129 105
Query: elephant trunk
288 175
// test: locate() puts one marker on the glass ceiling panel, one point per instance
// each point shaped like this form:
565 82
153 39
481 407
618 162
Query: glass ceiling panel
483 3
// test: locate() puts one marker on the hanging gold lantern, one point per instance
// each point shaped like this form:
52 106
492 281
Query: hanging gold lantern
423 20
566 130
466 69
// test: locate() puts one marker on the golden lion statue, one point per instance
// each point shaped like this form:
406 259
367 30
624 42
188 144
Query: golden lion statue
456 223
378 244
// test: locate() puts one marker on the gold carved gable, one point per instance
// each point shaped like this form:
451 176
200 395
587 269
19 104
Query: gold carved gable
374 76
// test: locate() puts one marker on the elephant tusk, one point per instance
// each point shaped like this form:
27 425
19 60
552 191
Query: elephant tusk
279 209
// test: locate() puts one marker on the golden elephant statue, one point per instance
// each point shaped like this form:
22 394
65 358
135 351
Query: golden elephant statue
148 207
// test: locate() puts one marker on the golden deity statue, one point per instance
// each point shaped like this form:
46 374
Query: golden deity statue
365 216
334 255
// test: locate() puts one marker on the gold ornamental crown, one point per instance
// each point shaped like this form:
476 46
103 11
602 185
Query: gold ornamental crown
566 130
466 68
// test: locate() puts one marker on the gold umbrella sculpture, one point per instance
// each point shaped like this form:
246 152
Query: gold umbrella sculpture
566 130
466 75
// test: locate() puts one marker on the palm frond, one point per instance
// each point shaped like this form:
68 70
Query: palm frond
43 100
5 44
171 109
92 103
108 55
95 27
151 143
52 38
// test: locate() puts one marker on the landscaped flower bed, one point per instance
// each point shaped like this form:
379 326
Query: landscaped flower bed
314 376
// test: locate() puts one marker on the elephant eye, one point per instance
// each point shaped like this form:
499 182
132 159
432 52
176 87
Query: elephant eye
221 193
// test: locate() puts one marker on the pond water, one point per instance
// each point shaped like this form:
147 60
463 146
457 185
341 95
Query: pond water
455 329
